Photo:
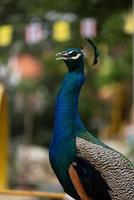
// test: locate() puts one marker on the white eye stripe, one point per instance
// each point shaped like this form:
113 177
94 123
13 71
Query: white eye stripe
76 57
70 52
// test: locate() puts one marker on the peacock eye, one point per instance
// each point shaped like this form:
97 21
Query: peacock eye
74 53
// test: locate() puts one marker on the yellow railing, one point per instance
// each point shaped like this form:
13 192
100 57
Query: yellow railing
3 138
32 193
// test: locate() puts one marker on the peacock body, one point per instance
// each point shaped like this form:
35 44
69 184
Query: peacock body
86 168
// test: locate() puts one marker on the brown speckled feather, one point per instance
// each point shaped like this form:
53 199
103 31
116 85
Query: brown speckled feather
116 171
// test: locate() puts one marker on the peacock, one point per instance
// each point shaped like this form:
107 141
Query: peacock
86 168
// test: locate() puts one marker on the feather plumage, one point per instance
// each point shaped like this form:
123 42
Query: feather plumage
86 167
114 168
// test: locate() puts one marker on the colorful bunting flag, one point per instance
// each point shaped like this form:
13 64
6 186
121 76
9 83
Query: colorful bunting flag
88 27
129 23
6 33
33 33
61 31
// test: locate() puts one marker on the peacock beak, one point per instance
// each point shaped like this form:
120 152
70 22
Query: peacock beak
62 56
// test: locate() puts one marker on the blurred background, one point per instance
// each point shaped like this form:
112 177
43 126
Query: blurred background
31 33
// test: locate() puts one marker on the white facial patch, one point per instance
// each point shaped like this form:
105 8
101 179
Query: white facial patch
76 57
71 52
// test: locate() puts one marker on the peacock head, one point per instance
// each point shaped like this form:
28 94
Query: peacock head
74 57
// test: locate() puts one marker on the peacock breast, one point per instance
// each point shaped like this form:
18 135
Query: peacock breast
61 157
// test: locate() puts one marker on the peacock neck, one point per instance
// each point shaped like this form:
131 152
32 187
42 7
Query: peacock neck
67 119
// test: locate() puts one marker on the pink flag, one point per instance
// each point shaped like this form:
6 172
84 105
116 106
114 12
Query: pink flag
88 27
34 33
